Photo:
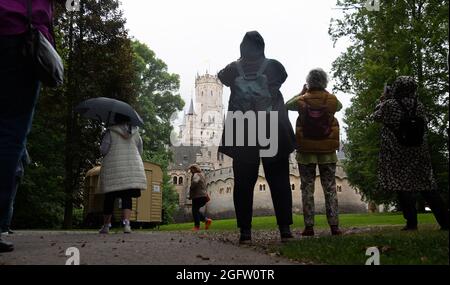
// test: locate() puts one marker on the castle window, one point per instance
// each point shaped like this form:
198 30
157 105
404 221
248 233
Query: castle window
174 180
209 153
293 187
339 188
211 93
221 191
228 189
180 180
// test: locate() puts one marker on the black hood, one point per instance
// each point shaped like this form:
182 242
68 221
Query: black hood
252 46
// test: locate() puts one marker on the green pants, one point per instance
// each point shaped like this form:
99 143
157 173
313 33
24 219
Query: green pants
328 180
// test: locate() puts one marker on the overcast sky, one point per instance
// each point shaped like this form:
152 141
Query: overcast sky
197 35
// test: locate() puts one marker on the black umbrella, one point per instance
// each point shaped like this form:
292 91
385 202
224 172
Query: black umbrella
104 109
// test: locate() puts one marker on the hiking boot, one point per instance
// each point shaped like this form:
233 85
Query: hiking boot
196 228
104 230
246 237
308 232
6 246
335 231
409 228
286 234
208 223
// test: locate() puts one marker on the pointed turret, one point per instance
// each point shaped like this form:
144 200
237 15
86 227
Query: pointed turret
191 108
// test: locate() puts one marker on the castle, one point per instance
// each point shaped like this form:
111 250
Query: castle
199 136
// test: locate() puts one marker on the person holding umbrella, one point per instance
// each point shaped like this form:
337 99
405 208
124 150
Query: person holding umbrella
122 174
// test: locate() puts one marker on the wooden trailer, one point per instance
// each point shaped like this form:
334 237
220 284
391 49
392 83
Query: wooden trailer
147 209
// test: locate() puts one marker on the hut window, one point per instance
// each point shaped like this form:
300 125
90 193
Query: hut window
180 180
175 180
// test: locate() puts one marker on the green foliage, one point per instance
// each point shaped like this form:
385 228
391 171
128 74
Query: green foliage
157 101
100 60
406 37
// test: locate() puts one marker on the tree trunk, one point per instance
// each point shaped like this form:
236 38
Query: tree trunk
68 162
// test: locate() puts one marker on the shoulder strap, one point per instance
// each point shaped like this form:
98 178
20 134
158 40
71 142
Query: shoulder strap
29 13
263 67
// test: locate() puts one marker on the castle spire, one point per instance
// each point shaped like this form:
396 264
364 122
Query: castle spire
191 108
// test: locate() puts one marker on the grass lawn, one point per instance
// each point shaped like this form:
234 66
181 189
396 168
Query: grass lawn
346 221
428 246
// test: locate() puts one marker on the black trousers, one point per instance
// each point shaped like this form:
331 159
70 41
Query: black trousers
245 177
126 197
197 203
408 204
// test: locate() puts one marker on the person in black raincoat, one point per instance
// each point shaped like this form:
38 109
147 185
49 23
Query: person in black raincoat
246 159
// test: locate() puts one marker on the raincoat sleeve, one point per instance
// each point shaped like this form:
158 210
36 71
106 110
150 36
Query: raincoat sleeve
106 144
292 104
228 75
140 146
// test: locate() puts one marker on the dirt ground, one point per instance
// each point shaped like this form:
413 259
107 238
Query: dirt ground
138 248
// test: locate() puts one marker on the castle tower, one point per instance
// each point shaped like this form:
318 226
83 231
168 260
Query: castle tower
209 107
203 122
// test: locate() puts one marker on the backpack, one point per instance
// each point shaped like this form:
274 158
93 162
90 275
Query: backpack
316 121
412 127
251 91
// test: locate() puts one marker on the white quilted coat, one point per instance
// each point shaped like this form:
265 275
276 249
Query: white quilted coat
122 167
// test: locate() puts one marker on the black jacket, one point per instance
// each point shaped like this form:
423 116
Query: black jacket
252 57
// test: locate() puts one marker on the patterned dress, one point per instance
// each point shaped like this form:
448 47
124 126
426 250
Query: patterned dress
402 168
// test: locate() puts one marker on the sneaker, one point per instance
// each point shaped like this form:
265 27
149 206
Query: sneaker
208 223
6 246
104 230
246 237
196 228
308 232
127 229
335 231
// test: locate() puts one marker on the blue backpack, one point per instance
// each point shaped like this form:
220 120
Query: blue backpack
251 91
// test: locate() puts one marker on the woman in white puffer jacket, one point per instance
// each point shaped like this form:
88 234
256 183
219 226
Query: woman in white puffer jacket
122 174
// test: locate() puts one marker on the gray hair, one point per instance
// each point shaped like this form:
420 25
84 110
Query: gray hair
317 79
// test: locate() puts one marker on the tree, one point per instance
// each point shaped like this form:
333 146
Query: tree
157 101
406 37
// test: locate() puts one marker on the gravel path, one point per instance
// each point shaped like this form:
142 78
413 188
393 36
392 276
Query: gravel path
175 248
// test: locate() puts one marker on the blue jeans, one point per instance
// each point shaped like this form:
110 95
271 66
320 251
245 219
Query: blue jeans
19 91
